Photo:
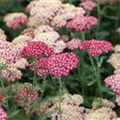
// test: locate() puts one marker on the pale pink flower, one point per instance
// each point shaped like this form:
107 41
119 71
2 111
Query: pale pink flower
101 114
88 5
28 32
21 41
14 20
67 12
11 73
74 43
114 60
9 52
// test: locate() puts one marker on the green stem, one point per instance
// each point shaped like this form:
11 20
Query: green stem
60 94
97 74
99 78
99 18
35 72
82 82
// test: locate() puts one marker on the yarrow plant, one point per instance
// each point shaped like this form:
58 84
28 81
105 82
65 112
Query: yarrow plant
52 66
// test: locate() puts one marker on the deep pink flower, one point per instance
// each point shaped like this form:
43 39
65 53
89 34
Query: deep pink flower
96 47
113 82
37 49
74 43
80 23
62 64
3 114
88 5
41 66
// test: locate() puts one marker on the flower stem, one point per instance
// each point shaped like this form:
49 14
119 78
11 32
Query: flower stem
97 74
60 94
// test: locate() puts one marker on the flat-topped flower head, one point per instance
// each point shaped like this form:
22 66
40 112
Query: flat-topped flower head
74 43
101 114
96 47
88 5
113 82
14 20
28 32
41 66
80 23
9 52
36 49
62 64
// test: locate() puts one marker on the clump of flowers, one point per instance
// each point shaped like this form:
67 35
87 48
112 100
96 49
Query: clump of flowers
80 23
21 41
9 52
28 32
3 114
69 104
62 64
14 20
101 114
41 66
114 60
88 5
105 103
26 94
113 82
74 43
96 47
37 49
41 52
52 38
52 12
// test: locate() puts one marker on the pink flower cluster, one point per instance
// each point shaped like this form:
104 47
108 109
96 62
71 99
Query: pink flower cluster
42 67
13 20
80 23
96 47
61 64
52 12
3 115
88 5
74 43
28 32
9 52
36 49
113 82
47 62
27 92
